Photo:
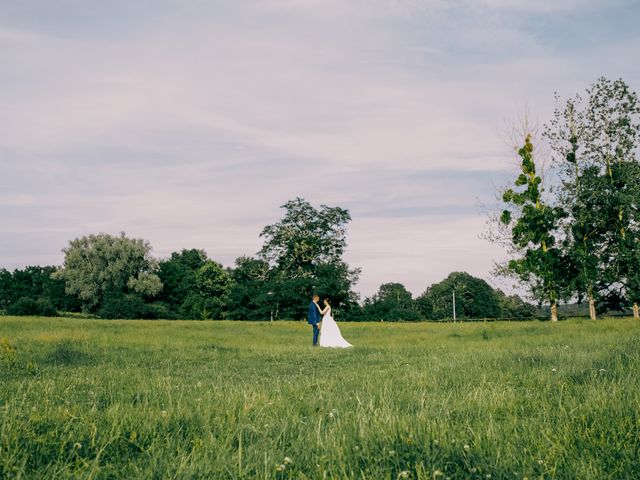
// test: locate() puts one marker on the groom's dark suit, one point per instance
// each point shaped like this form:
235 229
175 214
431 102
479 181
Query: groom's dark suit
313 320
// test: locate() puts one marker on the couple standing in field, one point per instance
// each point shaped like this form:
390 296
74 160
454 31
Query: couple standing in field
330 335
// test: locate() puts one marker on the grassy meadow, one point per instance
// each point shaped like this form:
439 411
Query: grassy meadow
97 399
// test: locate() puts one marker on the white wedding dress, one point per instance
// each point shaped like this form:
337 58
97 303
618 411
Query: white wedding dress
330 335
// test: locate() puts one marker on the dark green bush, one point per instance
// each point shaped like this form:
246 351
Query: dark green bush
132 306
120 305
32 306
159 311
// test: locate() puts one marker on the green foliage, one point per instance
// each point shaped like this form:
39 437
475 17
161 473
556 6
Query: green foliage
393 302
514 308
194 286
97 265
122 305
221 400
116 277
305 237
32 306
250 297
304 253
178 275
595 142
8 356
533 227
475 298
209 297
38 285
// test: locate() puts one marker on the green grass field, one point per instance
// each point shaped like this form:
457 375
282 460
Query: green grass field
160 399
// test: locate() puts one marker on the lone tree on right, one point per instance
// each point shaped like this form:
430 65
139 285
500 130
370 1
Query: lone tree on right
594 142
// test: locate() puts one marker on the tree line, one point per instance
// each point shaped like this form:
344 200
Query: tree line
574 233
117 277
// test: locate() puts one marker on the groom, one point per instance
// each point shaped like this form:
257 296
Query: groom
314 318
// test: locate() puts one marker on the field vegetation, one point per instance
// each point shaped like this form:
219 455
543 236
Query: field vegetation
222 399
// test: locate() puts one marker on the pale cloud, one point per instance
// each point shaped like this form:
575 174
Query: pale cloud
189 123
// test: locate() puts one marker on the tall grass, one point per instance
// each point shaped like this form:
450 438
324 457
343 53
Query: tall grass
158 399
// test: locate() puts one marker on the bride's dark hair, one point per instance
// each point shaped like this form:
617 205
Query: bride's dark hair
327 300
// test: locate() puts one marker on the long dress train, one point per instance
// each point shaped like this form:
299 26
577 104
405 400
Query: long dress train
330 335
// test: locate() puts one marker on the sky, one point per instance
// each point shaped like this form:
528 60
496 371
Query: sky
189 123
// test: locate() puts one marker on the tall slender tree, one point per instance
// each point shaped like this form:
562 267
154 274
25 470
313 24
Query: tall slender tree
533 226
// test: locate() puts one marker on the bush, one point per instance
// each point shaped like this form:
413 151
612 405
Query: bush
26 306
197 307
120 305
132 306
158 310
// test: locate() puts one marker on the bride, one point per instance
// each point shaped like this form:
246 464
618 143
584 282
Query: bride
330 335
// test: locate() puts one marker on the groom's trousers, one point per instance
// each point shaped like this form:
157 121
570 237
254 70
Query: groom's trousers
316 332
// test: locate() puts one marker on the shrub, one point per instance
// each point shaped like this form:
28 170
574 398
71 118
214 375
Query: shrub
32 306
158 310
120 305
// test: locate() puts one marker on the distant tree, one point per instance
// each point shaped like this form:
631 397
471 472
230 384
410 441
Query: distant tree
475 298
393 302
6 286
304 253
34 286
250 297
533 225
178 276
120 305
424 305
515 308
209 298
97 264
32 306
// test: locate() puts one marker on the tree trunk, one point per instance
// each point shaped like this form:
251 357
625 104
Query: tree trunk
636 311
592 308
554 311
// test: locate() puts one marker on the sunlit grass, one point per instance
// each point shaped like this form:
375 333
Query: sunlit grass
158 399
